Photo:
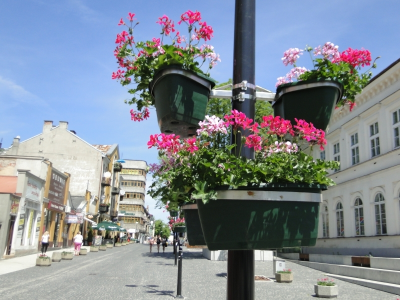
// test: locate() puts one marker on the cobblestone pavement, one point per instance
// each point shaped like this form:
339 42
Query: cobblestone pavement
131 272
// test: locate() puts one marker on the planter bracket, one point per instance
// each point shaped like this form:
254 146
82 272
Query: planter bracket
244 85
242 96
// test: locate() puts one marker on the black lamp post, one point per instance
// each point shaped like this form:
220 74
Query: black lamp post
241 262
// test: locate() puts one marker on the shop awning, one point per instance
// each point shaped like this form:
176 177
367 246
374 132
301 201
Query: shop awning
93 222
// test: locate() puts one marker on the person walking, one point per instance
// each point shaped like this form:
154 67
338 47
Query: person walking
45 242
151 242
164 244
158 243
78 239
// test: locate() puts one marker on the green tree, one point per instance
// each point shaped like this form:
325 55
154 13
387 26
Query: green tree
161 229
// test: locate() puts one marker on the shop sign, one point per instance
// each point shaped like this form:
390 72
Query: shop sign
56 207
130 172
21 224
71 219
38 224
33 189
57 187
14 205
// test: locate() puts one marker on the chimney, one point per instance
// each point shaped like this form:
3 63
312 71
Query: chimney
14 146
47 126
63 124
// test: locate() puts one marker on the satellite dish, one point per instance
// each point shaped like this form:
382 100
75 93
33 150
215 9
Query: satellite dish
122 192
107 174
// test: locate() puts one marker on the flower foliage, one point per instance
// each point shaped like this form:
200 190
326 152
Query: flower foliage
325 282
196 166
285 271
178 222
329 63
138 61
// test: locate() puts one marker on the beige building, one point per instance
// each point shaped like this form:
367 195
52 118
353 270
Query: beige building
133 213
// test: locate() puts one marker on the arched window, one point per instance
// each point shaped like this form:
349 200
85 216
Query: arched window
339 219
380 214
359 217
325 221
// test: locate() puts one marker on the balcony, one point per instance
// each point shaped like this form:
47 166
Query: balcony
115 191
114 213
106 181
117 167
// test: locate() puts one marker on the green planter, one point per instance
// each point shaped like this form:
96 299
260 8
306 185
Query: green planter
173 213
310 100
194 232
180 229
181 98
276 216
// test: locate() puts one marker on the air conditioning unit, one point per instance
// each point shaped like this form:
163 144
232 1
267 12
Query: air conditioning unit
68 209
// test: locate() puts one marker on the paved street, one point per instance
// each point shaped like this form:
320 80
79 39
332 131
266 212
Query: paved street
131 272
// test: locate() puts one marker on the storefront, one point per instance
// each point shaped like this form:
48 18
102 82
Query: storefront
53 212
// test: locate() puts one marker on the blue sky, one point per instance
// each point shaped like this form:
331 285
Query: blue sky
56 57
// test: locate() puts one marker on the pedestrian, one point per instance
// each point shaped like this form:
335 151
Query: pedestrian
164 244
151 242
45 242
78 239
158 243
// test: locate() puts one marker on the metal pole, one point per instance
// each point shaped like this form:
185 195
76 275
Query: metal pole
175 247
179 287
240 284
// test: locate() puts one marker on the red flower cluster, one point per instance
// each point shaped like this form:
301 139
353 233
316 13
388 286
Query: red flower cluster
356 57
310 133
277 126
140 116
205 32
167 142
237 119
168 25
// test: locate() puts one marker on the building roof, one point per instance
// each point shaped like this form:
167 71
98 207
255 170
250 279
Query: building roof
384 70
8 184
103 148
134 164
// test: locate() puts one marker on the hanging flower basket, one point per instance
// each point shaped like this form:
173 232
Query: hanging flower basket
275 216
181 98
310 100
173 213
103 208
180 229
194 232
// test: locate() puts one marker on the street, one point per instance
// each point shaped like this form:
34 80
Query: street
131 272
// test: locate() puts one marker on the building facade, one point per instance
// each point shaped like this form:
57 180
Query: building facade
133 213
361 214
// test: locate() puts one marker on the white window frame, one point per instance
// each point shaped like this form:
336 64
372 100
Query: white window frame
339 220
359 216
380 214
336 154
396 128
325 222
355 150
374 139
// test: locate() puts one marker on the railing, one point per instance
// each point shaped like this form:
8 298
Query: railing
117 167
115 191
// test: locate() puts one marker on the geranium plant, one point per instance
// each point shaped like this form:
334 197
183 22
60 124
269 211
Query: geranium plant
198 166
138 61
325 282
178 222
329 63
285 271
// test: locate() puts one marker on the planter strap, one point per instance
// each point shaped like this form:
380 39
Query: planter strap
244 85
242 96
189 206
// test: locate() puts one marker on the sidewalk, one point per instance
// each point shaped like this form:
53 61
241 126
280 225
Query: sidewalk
19 263
131 272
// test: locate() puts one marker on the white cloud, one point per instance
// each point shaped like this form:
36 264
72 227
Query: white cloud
9 89
85 12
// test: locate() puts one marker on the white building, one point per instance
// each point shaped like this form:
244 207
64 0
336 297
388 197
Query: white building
361 214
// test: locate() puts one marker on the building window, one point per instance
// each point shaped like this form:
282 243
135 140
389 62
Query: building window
322 155
339 219
380 214
355 155
374 139
336 154
359 217
396 128
325 222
